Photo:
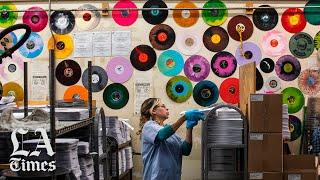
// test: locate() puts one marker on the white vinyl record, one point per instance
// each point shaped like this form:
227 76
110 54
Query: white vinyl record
189 43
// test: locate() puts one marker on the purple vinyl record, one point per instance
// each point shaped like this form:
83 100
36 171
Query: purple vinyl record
249 53
196 68
119 69
288 68
223 64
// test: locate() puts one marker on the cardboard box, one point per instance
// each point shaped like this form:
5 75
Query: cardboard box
300 175
265 175
265 113
298 162
265 152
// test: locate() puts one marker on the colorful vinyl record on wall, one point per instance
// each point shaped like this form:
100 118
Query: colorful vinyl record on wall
205 93
196 68
116 96
312 12
99 78
11 69
185 18
267 65
189 43
295 127
63 46
8 41
155 16
240 23
8 14
229 90
288 68
32 47
179 89
62 21
317 41
274 43
215 39
259 80
294 98
250 52
265 18
88 17
68 72
170 63
214 16
13 89
293 20
272 84
36 18
75 92
1 90
301 45
162 37
125 17
309 82
223 64
119 69
143 57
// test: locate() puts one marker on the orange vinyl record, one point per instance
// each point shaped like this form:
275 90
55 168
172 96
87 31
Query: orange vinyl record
76 92
63 46
13 89
185 18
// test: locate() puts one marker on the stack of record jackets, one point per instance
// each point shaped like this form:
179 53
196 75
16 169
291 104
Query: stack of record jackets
85 161
226 128
285 122
128 156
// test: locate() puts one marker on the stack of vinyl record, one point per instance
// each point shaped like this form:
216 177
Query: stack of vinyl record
226 128
85 161
285 122
67 156
128 156
123 161
221 159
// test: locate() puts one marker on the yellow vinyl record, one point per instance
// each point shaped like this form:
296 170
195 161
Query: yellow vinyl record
63 47
185 18
13 89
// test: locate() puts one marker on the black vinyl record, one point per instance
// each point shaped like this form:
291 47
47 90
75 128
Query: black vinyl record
115 96
143 57
267 65
155 16
62 21
259 80
99 78
162 37
215 39
68 72
265 19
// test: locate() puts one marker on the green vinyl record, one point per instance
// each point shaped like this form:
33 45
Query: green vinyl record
294 98
7 15
312 12
295 127
215 17
115 96
179 89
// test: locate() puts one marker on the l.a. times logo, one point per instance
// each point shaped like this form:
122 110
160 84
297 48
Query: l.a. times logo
18 163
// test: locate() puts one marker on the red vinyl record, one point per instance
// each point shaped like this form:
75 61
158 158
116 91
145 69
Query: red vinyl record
293 20
36 18
229 90
125 17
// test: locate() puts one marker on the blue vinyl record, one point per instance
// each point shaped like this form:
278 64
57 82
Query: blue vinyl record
32 47
205 93
170 63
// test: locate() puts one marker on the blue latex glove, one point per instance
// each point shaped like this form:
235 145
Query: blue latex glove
194 115
192 118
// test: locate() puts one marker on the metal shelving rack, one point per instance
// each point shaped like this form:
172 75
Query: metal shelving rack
235 154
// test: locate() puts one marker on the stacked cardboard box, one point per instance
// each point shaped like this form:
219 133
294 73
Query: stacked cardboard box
265 150
300 167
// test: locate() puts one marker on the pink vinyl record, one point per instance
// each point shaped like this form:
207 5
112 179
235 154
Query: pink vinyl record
36 18
125 17
11 68
274 43
119 69
196 68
